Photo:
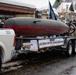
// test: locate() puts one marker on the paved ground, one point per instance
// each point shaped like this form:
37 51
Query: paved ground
49 63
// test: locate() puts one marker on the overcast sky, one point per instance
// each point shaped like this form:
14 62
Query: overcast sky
37 3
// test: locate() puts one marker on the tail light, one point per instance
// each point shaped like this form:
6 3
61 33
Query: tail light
14 44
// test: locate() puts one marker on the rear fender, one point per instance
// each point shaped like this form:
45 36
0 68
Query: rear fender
69 39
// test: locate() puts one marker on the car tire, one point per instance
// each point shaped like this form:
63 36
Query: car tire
69 49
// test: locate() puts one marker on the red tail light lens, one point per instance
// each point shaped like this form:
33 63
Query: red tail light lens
14 41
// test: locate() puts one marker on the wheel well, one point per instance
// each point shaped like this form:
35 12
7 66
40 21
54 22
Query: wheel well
73 43
69 39
1 53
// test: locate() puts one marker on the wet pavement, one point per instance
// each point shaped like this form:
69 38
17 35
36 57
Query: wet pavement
49 63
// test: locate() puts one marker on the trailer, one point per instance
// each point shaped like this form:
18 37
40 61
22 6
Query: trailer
40 35
43 44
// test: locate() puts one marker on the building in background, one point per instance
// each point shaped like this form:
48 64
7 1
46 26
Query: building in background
57 3
74 5
64 9
10 9
67 0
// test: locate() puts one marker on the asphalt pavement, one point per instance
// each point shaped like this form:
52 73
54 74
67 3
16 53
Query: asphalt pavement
49 63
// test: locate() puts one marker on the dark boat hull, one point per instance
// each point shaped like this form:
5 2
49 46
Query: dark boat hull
36 27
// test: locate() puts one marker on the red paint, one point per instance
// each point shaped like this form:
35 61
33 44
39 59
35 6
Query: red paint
37 30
